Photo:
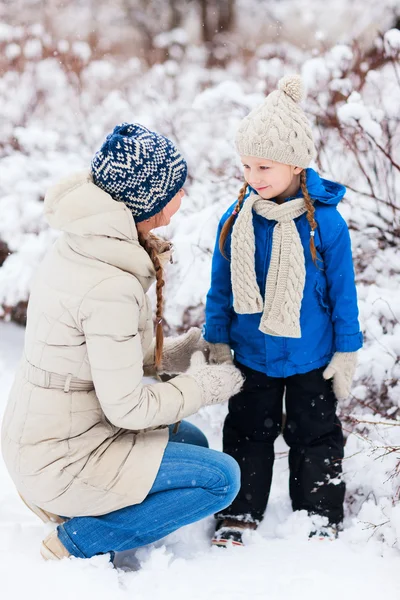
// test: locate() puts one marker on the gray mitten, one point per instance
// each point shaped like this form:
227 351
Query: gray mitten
341 368
217 383
220 354
178 350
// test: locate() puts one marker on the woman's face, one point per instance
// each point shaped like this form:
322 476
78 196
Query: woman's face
164 216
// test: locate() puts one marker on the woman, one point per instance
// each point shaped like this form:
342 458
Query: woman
82 436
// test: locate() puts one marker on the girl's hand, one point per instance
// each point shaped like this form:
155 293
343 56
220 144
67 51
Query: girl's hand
220 354
178 350
341 369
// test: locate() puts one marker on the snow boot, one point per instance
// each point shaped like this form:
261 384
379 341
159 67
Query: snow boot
326 532
230 531
52 548
225 536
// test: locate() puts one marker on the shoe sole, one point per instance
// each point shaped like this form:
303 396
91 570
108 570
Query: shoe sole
225 543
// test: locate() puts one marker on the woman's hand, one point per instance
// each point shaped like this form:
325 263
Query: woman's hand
178 351
217 383
341 369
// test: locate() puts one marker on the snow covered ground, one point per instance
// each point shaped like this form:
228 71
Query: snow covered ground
278 563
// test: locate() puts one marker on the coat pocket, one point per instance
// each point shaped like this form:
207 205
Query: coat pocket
321 292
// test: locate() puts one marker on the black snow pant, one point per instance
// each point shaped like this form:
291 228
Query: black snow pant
312 431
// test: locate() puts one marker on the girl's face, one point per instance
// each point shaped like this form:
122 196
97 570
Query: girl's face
271 179
164 216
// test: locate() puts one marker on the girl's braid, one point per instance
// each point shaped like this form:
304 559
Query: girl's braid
310 215
230 220
152 246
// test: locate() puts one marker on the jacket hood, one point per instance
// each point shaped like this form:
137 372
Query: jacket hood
324 190
76 205
97 226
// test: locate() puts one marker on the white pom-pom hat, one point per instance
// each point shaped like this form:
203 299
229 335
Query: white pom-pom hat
278 129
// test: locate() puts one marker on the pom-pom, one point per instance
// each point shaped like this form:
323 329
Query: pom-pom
292 85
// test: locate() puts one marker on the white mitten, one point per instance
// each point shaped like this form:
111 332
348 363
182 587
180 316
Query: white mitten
341 368
217 383
220 354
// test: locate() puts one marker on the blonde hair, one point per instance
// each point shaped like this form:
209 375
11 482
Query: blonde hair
310 217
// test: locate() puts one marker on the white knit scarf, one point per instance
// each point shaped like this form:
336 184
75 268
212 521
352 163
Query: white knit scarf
286 274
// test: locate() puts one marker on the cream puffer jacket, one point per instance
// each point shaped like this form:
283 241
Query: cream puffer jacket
82 434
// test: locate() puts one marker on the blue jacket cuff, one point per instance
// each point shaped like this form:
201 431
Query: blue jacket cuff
216 334
348 343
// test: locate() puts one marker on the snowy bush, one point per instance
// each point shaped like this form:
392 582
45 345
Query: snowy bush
372 473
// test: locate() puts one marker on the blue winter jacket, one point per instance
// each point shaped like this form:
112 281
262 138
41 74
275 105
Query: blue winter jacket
329 313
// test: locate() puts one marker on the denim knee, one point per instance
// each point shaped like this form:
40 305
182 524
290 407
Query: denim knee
229 478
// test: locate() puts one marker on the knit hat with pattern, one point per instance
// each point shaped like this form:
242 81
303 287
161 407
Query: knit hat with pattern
278 129
139 167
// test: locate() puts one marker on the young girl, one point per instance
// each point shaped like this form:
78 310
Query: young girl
85 440
283 298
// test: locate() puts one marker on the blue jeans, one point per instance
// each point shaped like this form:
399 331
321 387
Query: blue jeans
193 482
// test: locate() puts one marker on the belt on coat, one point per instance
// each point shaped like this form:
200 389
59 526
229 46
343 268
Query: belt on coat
45 379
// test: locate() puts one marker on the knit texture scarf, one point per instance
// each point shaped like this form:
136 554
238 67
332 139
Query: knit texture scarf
286 274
